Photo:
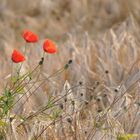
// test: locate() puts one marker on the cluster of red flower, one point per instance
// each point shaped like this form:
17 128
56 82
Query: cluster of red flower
30 37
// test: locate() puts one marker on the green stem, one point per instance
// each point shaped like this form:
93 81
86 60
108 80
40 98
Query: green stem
25 48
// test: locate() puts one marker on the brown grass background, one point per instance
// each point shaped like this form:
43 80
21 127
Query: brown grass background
98 35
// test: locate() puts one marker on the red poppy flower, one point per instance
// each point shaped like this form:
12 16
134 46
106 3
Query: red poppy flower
29 36
49 46
17 57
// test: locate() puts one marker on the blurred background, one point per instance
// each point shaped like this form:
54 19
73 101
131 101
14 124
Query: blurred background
54 18
100 36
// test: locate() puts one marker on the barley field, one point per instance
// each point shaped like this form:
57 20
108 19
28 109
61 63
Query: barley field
80 79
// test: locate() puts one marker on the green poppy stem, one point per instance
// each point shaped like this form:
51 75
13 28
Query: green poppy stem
24 52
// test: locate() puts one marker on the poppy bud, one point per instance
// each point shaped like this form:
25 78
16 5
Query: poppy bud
41 61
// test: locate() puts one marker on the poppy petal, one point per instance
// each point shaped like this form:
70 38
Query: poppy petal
49 46
30 37
17 57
